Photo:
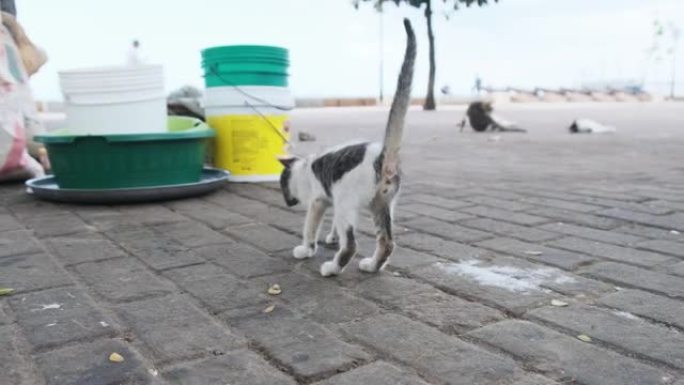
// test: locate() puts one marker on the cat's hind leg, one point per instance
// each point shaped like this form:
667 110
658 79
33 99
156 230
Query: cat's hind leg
344 225
382 217
332 238
314 216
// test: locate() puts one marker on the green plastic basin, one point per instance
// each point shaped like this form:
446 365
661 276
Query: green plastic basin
129 160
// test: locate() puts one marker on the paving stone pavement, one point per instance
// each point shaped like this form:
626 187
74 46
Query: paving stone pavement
508 251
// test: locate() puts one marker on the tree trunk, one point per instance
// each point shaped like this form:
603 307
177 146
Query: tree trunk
430 98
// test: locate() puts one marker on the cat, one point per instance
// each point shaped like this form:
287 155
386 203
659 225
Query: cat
481 118
351 178
588 126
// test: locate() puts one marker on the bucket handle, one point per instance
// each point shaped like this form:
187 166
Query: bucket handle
213 70
248 104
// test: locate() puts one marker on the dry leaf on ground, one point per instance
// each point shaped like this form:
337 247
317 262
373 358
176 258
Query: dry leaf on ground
584 337
6 291
116 357
275 289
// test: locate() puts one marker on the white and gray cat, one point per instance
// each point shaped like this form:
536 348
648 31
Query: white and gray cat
352 178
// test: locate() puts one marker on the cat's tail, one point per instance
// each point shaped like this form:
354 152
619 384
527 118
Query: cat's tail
400 104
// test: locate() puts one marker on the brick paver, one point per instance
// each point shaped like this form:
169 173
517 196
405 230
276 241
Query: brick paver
305 347
238 367
55 317
639 278
620 329
13 243
379 373
510 230
593 234
547 255
566 358
89 364
612 252
171 329
488 234
448 359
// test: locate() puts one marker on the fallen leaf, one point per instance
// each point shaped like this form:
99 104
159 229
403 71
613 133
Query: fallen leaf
532 252
6 291
275 289
269 309
116 357
584 337
559 303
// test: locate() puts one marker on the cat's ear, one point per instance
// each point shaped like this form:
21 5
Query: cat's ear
287 160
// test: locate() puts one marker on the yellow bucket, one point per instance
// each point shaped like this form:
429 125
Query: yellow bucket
248 145
249 138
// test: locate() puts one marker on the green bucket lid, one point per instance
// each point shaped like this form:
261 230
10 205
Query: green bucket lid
241 65
245 52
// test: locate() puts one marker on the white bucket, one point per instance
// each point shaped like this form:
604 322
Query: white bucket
223 100
114 100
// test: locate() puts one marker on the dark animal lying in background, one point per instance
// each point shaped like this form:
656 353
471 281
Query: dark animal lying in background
588 126
481 119
185 101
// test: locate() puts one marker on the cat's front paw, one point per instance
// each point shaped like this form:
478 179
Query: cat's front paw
368 265
330 268
331 239
301 252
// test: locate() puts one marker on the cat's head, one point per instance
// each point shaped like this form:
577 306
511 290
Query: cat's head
483 106
488 107
288 188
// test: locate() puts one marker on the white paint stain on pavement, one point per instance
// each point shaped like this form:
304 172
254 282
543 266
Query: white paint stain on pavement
51 306
511 278
625 314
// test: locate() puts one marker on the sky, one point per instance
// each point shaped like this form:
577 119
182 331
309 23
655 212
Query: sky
337 50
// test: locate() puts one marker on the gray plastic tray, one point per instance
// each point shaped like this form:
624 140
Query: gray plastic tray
47 188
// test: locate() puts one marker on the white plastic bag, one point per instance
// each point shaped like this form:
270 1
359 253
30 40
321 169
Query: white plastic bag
17 109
